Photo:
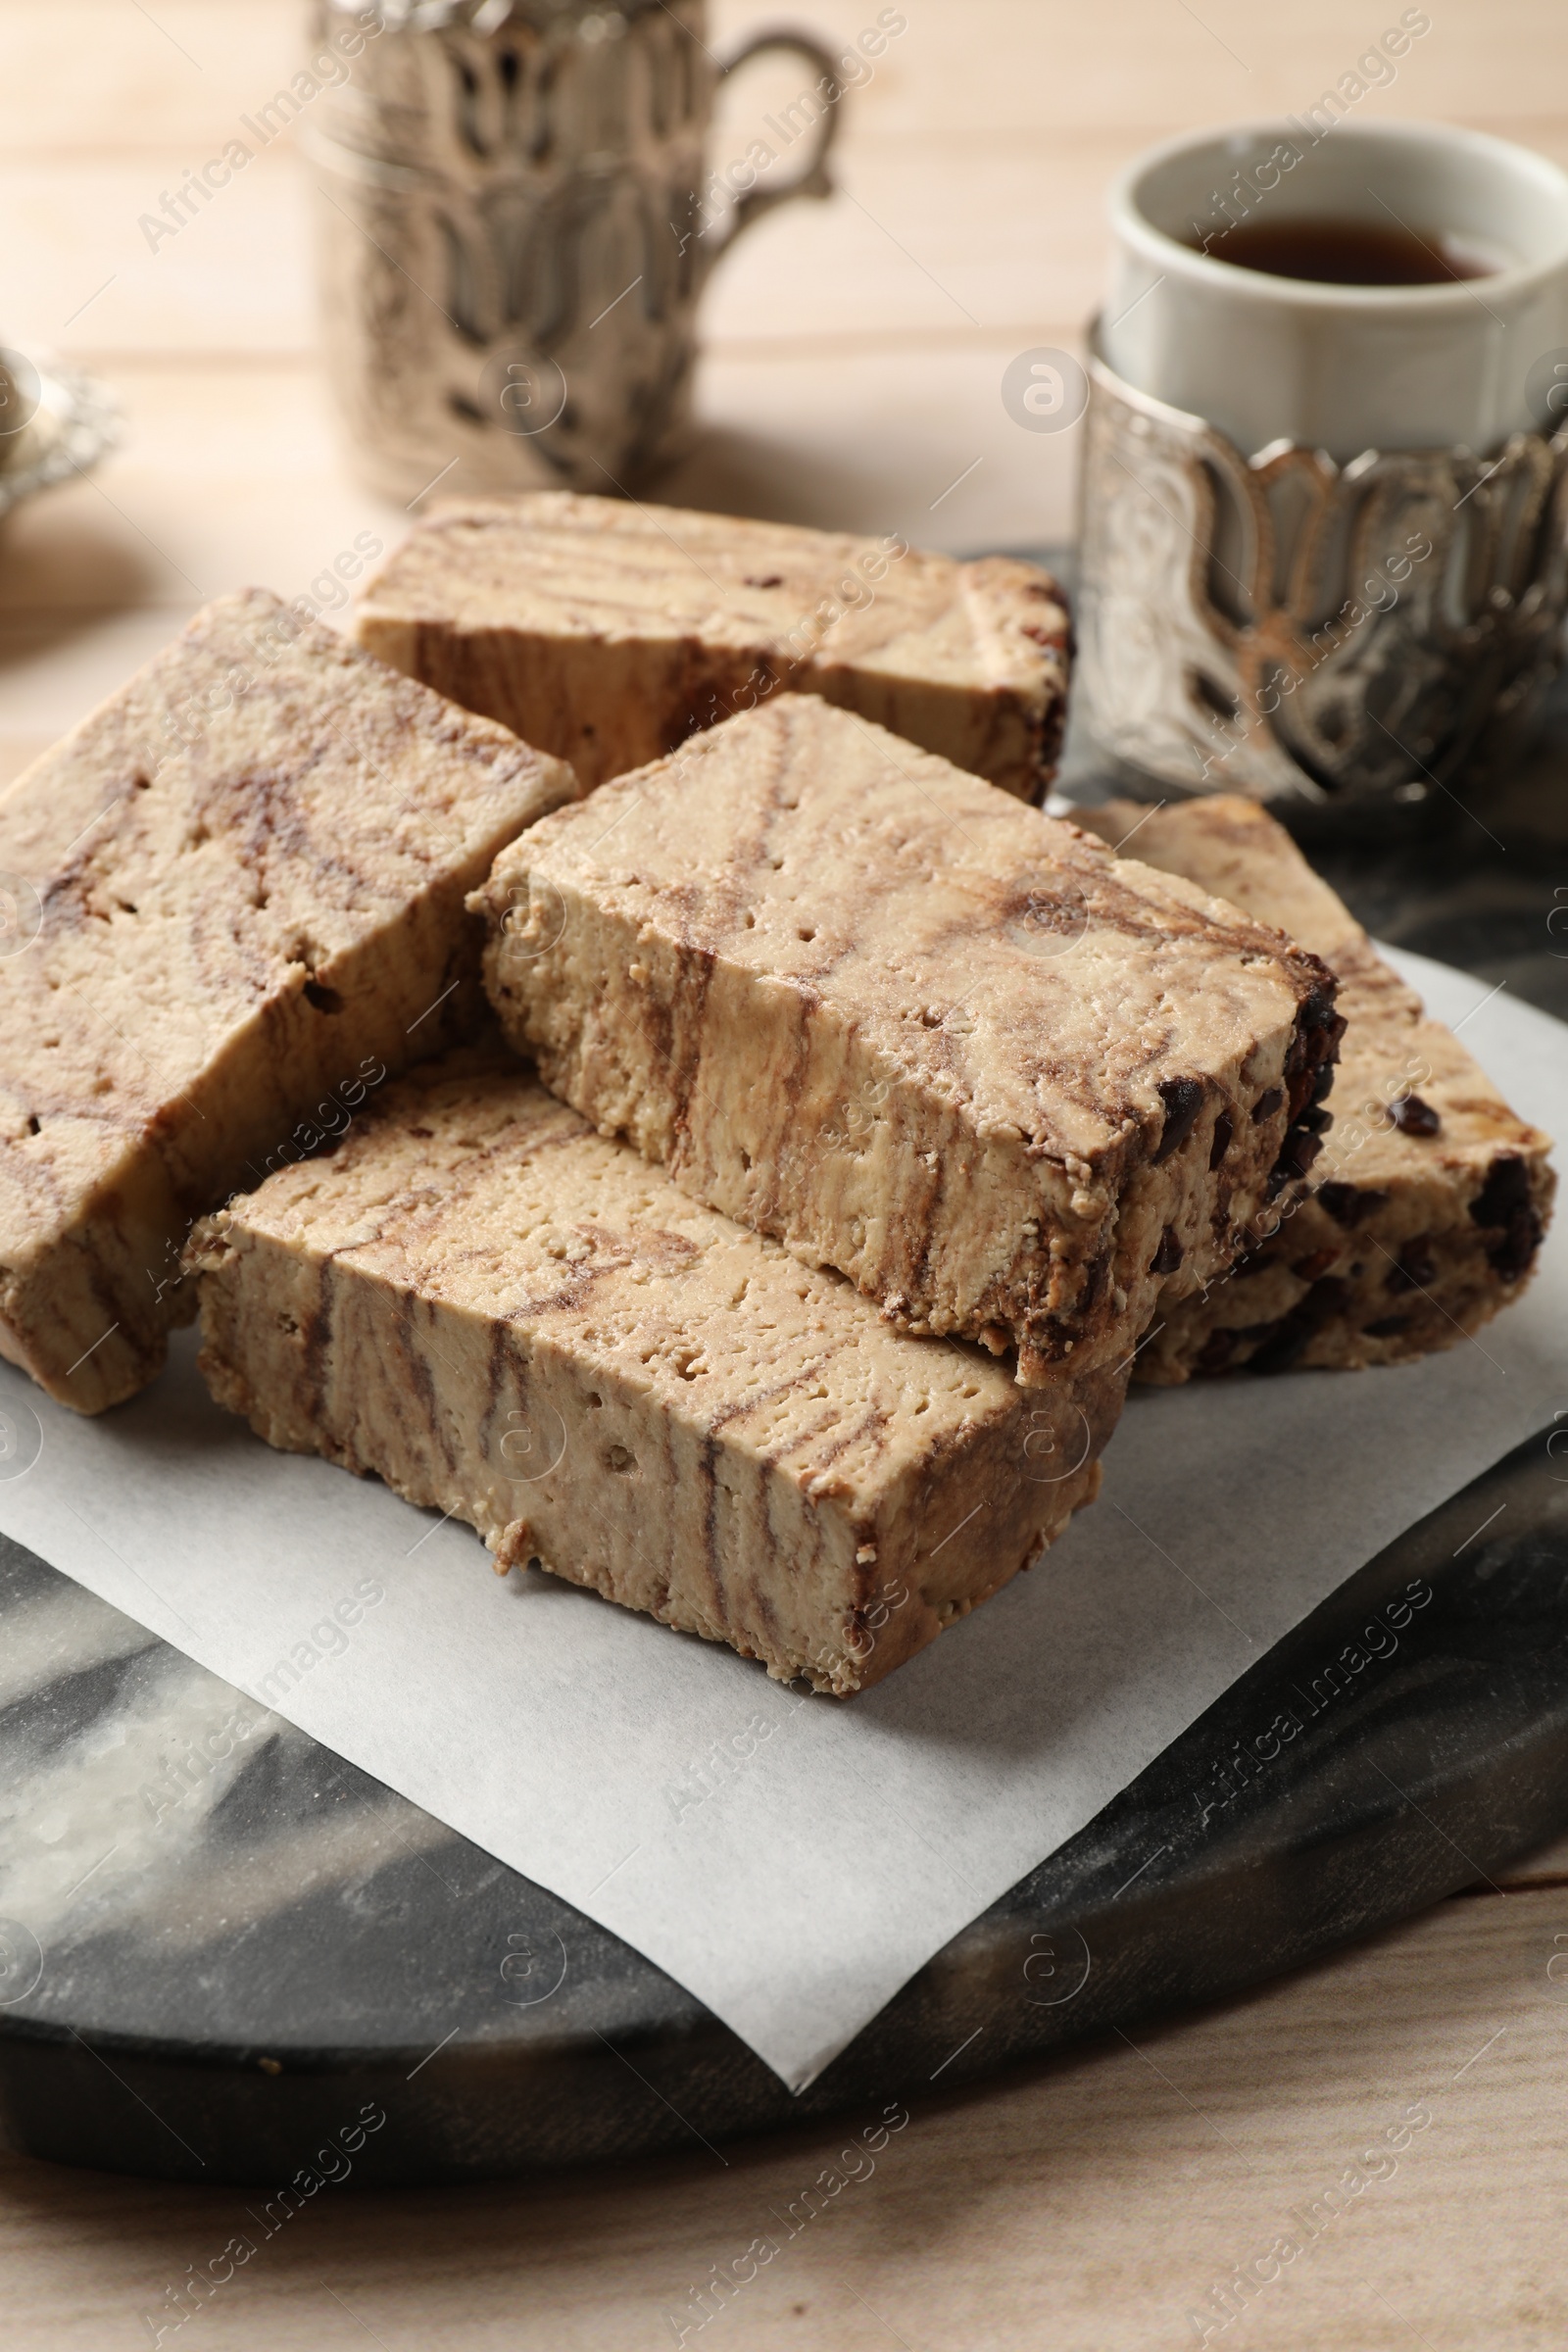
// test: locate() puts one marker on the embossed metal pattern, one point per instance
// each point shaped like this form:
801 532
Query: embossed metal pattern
77 421
514 235
1284 627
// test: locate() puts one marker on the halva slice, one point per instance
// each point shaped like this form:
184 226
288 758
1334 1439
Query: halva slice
610 632
237 904
513 1320
1423 1215
1011 1085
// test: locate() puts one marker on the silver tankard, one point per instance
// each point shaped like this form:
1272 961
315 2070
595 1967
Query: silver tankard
516 219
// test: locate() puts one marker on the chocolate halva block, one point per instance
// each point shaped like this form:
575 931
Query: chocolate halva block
608 632
1012 1087
1422 1214
236 898
516 1321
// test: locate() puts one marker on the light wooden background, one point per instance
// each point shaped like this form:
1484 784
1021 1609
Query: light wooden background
855 355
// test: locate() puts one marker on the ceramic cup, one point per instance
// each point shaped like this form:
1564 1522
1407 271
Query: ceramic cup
1324 546
1342 368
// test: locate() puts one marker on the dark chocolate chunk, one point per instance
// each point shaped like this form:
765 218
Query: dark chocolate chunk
1327 1298
1268 1104
1389 1327
1279 1346
1503 1205
1318 1031
1515 1254
1297 1155
1183 1099
1414 1269
1223 1131
1347 1203
1505 1191
1169 1257
1096 1277
1412 1117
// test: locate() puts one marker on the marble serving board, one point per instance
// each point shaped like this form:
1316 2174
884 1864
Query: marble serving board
312 1955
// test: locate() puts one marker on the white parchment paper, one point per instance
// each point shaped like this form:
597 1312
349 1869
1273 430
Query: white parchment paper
793 1860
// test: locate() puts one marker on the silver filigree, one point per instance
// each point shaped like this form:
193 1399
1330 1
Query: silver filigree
515 226
74 424
1284 626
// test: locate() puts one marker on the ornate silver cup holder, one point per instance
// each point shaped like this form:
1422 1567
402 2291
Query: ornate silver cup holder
516 218
73 422
1294 629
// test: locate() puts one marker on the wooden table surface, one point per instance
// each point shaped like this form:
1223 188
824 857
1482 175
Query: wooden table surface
854 351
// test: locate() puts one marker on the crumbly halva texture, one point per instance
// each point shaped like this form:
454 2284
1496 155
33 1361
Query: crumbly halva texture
609 633
513 1320
239 895
1011 1085
1422 1215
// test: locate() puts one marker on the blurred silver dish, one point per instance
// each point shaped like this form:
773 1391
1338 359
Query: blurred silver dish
55 423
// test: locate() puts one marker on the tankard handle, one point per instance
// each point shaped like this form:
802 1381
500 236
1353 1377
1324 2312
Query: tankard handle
813 178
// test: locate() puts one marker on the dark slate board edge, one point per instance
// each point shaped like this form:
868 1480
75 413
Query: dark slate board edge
121 2102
